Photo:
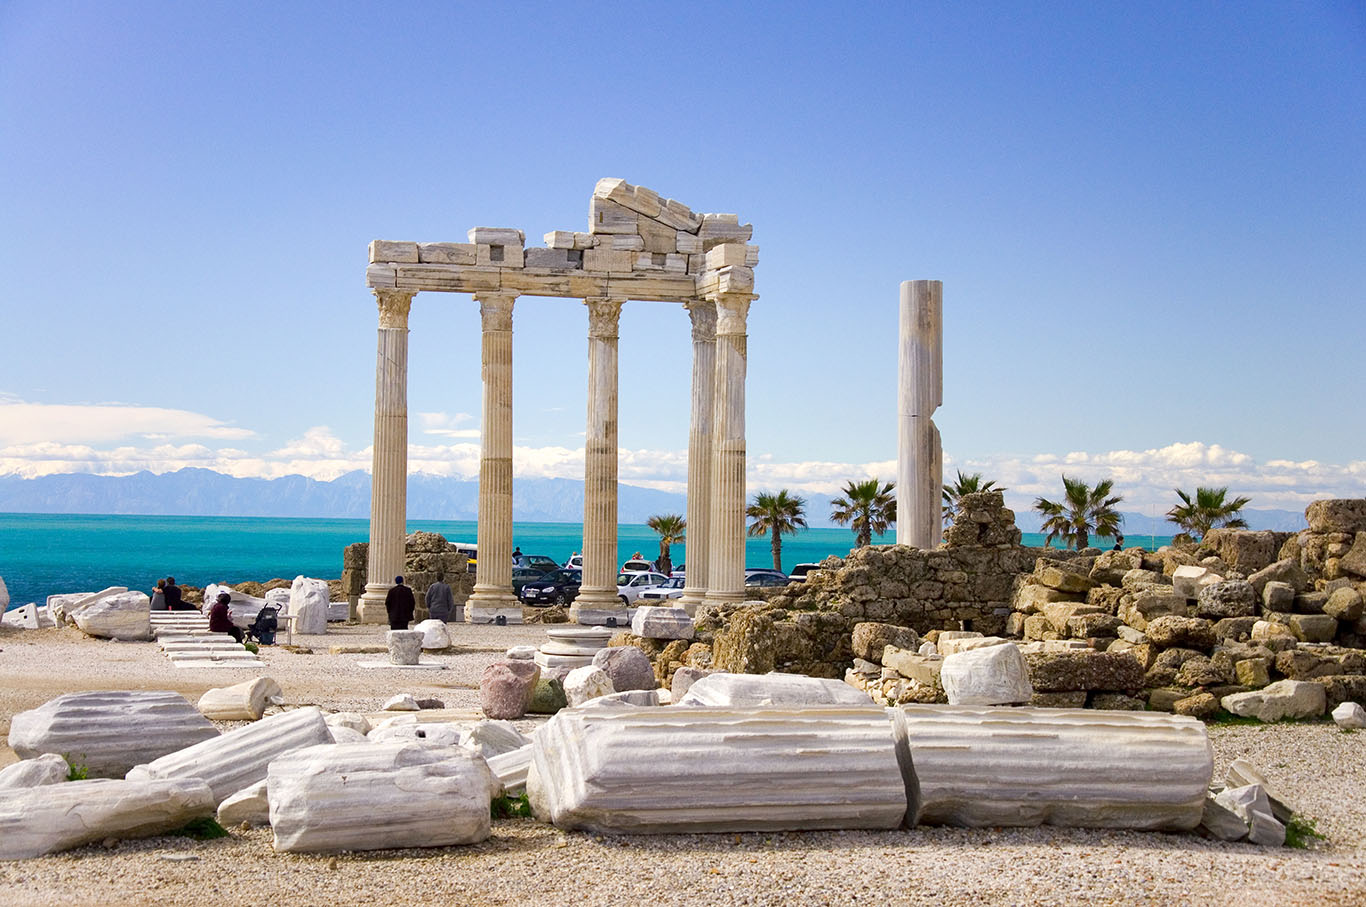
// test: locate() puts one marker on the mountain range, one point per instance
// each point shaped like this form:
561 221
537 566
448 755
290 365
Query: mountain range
203 492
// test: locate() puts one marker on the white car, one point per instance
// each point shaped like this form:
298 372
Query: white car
637 565
661 594
631 585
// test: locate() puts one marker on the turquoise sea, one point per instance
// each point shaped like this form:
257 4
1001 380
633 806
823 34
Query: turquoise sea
41 554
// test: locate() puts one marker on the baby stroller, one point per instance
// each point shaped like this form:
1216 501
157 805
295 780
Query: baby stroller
263 628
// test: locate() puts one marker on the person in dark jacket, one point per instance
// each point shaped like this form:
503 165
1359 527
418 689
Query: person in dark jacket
440 599
174 599
220 621
400 604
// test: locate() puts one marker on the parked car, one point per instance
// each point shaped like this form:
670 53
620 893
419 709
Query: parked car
631 585
672 588
765 578
523 575
559 587
537 561
799 572
575 562
637 565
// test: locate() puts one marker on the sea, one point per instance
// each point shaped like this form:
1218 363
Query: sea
43 554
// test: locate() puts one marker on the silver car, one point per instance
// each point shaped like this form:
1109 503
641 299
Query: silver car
631 585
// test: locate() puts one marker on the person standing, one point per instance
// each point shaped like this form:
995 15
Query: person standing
159 596
440 599
400 604
220 621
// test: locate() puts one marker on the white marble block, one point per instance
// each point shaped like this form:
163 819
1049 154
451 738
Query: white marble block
248 805
435 634
510 769
439 734
61 605
239 758
492 737
405 646
121 615
1080 768
585 683
49 768
1282 699
244 701
379 796
787 690
987 675
59 817
1350 716
717 770
308 600
662 623
109 731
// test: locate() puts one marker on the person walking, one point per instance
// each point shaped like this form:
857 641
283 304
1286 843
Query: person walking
440 599
159 596
220 621
400 604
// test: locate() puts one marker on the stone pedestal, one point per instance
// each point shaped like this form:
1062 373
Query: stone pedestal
726 524
597 600
493 593
696 560
920 391
389 474
405 646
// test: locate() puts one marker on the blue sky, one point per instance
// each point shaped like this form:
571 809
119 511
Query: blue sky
1150 220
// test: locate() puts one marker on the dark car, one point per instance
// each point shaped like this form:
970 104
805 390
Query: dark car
536 562
523 575
765 578
558 587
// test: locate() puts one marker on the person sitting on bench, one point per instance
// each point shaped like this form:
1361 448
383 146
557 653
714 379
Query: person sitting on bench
219 621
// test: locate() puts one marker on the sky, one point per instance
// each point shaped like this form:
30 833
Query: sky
1150 221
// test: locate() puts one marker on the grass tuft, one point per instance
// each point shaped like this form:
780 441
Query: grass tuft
204 828
1301 832
76 771
510 807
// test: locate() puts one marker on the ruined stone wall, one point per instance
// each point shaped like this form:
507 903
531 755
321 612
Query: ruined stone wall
425 556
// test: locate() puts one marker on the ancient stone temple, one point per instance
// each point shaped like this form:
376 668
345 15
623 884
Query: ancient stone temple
638 247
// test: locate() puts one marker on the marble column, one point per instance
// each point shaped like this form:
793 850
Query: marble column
493 596
389 468
703 315
726 525
920 391
597 601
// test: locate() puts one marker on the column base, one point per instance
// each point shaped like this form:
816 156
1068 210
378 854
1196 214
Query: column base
599 608
371 609
486 606
716 598
691 600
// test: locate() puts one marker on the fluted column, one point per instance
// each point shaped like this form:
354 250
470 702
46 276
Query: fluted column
703 315
597 600
726 527
493 596
920 383
389 468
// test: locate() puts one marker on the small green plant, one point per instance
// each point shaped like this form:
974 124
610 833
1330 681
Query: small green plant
76 771
1301 832
204 828
510 807
251 647
1348 730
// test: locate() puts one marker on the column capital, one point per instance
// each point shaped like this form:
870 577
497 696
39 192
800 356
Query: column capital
394 306
703 315
495 310
731 311
603 315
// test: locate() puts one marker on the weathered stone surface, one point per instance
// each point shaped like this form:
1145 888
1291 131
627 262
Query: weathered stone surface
1202 672
627 667
1084 669
405 646
1067 699
548 697
1059 575
1148 605
721 690
1189 580
49 768
1218 821
1286 570
345 734
1343 689
353 720
1243 550
1241 773
1234 628
1253 672
57 817
506 687
401 702
1229 598
308 599
1250 804
109 731
629 699
438 734
662 623
1282 699
718 770
239 758
1348 716
869 638
378 796
1344 604
1112 769
244 701
989 675
248 805
1313 627
1337 515
510 768
1201 705
1115 701
1183 632
1278 596
1354 561
120 615
585 683
435 634
924 669
491 738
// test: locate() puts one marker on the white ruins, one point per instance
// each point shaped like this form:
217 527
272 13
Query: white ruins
638 247
920 391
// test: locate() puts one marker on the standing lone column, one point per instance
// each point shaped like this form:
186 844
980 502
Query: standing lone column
726 525
493 596
597 601
703 315
389 468
920 391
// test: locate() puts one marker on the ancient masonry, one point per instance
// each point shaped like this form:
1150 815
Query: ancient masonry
638 247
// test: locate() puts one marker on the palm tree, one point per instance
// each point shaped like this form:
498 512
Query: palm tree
670 527
777 514
868 507
964 485
1081 511
1209 509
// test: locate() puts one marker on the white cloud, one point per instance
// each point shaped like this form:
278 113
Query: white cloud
102 423
446 425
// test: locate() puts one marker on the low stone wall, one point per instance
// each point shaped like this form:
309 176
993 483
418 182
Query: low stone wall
426 555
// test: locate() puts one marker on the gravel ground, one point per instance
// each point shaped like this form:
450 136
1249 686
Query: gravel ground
1320 769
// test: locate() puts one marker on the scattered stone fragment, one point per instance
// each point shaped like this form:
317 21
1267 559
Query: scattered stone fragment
492 738
506 687
627 667
353 720
435 634
1201 705
548 697
511 768
244 701
120 615
1348 715
1250 804
662 623
342 734
49 768
585 683
628 699
1241 773
308 600
441 734
1282 699
405 646
400 702
1218 821
248 805
990 675
763 690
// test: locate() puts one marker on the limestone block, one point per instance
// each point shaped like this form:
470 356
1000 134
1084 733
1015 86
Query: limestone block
1149 604
239 758
244 701
923 669
396 252
1060 576
927 649
369 797
109 731
627 667
121 615
677 264
1250 804
609 217
505 688
676 214
727 254
1227 598
557 239
24 617
1313 627
954 644
400 702
620 242
987 675
869 639
510 769
609 260
662 623
553 258
1218 821
405 646
657 237
718 770
1337 515
688 243
723 228
248 805
1264 630
583 684
1031 598
435 634
1184 632
1348 716
1241 773
49 768
308 599
1084 669
496 236
56 817
1278 596
1282 699
1253 672
723 690
492 738
1354 561
353 720
446 253
1344 603
683 680
438 734
1081 768
345 735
